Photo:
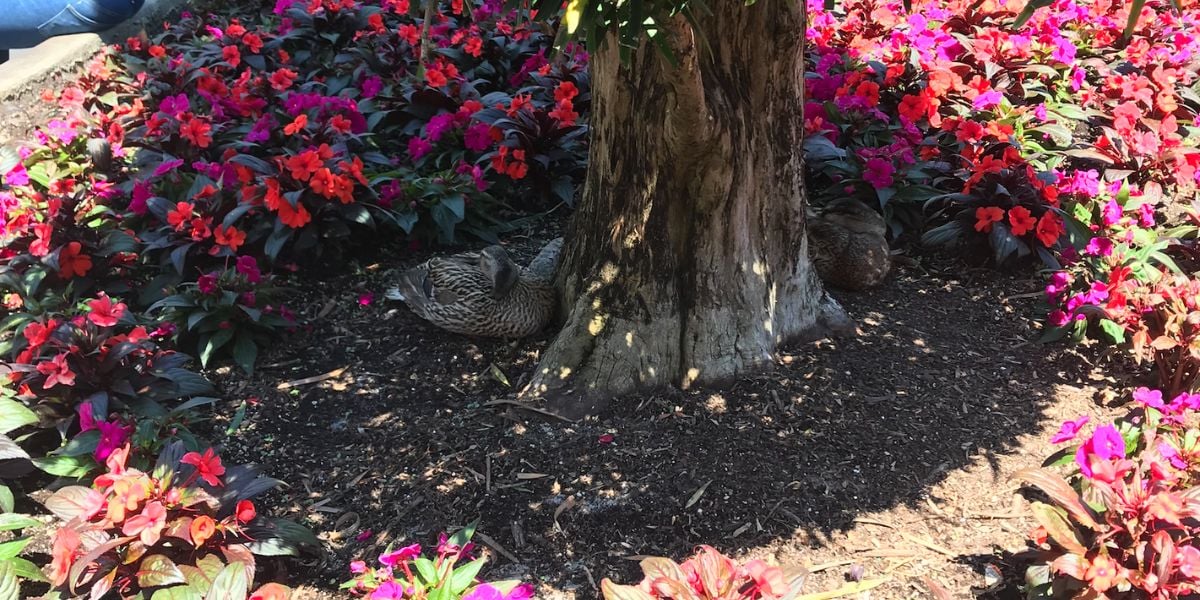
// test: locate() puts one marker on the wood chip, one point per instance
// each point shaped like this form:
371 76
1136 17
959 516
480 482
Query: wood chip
696 496
847 590
528 476
491 543
567 504
314 379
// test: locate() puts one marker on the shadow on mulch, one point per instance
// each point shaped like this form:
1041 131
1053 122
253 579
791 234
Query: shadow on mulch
399 445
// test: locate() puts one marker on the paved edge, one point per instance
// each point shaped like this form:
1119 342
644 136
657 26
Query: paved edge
29 70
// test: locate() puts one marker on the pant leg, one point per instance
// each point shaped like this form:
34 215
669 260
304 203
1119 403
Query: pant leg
26 23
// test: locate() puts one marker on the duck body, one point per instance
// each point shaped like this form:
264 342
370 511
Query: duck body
848 245
483 293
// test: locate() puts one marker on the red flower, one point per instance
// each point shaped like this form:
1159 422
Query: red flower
282 79
303 165
208 466
41 244
435 77
230 236
474 46
232 55
180 217
565 91
1021 220
103 312
986 215
56 372
245 511
37 334
197 131
564 113
253 42
294 217
71 263
1049 228
870 91
340 124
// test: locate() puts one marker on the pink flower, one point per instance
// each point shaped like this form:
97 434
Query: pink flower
17 177
364 536
366 299
1111 213
86 421
56 372
418 147
1105 445
148 525
358 567
391 559
388 590
1069 430
878 173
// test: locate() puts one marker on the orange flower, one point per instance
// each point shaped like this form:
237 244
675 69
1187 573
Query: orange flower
230 236
71 263
282 79
63 554
986 215
271 591
299 123
1049 228
202 529
1021 220
870 91
1103 573
294 217
197 131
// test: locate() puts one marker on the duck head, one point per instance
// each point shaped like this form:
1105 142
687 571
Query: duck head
495 263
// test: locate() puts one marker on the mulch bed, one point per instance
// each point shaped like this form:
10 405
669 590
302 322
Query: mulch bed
885 455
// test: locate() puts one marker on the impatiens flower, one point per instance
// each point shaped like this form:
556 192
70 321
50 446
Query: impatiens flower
1105 445
388 590
56 372
1020 220
1099 246
248 266
63 554
418 147
180 216
245 511
147 525
103 312
1149 398
202 529
1049 229
87 421
113 435
986 215
208 466
358 567
37 334
768 580
72 262
405 554
1102 573
1069 430
1111 213
878 173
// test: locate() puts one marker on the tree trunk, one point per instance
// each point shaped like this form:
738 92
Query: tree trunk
686 261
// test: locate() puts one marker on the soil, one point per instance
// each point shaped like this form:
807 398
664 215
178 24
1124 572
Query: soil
883 455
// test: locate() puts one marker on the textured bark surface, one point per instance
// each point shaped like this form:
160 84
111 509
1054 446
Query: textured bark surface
686 261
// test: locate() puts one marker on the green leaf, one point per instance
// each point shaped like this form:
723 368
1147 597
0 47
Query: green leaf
13 414
245 353
10 586
1027 12
1113 331
229 584
27 570
179 592
10 521
214 342
7 502
81 445
1057 525
66 466
12 549
426 569
464 576
238 417
1135 11
157 570
1060 492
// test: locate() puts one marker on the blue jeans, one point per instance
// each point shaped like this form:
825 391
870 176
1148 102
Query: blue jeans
27 23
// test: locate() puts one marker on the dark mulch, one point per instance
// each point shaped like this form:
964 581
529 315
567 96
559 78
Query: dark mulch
891 450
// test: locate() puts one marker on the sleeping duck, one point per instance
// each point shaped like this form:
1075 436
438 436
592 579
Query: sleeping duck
483 293
848 244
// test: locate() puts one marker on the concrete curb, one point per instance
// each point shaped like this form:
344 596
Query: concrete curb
29 70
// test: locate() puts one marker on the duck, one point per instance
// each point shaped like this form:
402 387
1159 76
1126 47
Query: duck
848 244
483 294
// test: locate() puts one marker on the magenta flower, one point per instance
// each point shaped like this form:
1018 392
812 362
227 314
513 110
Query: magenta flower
1146 215
1112 213
987 100
113 435
1149 398
87 421
407 553
17 176
1105 444
207 283
371 86
488 591
438 126
878 173
388 590
418 147
1069 430
366 299
478 137
246 265
1099 246
357 567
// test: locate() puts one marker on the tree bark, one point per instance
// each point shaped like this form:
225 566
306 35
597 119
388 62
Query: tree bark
687 261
